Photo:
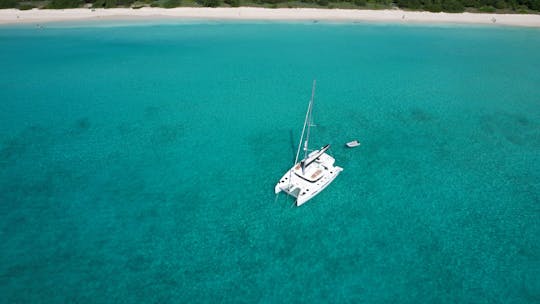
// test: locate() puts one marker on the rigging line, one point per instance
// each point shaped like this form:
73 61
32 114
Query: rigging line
301 137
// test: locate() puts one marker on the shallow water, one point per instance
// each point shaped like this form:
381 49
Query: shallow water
137 163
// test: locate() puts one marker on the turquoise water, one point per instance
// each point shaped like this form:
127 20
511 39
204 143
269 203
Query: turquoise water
137 163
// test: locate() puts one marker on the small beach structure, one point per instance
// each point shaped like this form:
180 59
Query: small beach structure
314 172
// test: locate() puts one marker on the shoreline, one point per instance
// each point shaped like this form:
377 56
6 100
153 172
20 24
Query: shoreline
15 16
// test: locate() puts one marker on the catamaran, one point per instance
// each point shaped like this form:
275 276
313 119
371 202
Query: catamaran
314 172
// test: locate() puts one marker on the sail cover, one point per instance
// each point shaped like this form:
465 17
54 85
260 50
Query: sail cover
313 156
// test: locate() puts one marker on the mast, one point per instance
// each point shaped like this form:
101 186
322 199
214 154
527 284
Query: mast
307 122
310 119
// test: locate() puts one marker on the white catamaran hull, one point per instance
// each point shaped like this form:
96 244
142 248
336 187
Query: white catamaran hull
305 184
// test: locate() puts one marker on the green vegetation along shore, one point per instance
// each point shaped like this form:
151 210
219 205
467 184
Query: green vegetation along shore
453 6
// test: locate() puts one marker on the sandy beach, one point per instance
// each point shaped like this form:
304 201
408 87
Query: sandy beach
13 16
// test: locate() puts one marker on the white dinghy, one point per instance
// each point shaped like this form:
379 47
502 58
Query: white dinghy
352 144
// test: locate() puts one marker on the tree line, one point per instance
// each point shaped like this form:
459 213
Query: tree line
453 6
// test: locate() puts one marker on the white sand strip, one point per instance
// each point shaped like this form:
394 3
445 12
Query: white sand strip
13 16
